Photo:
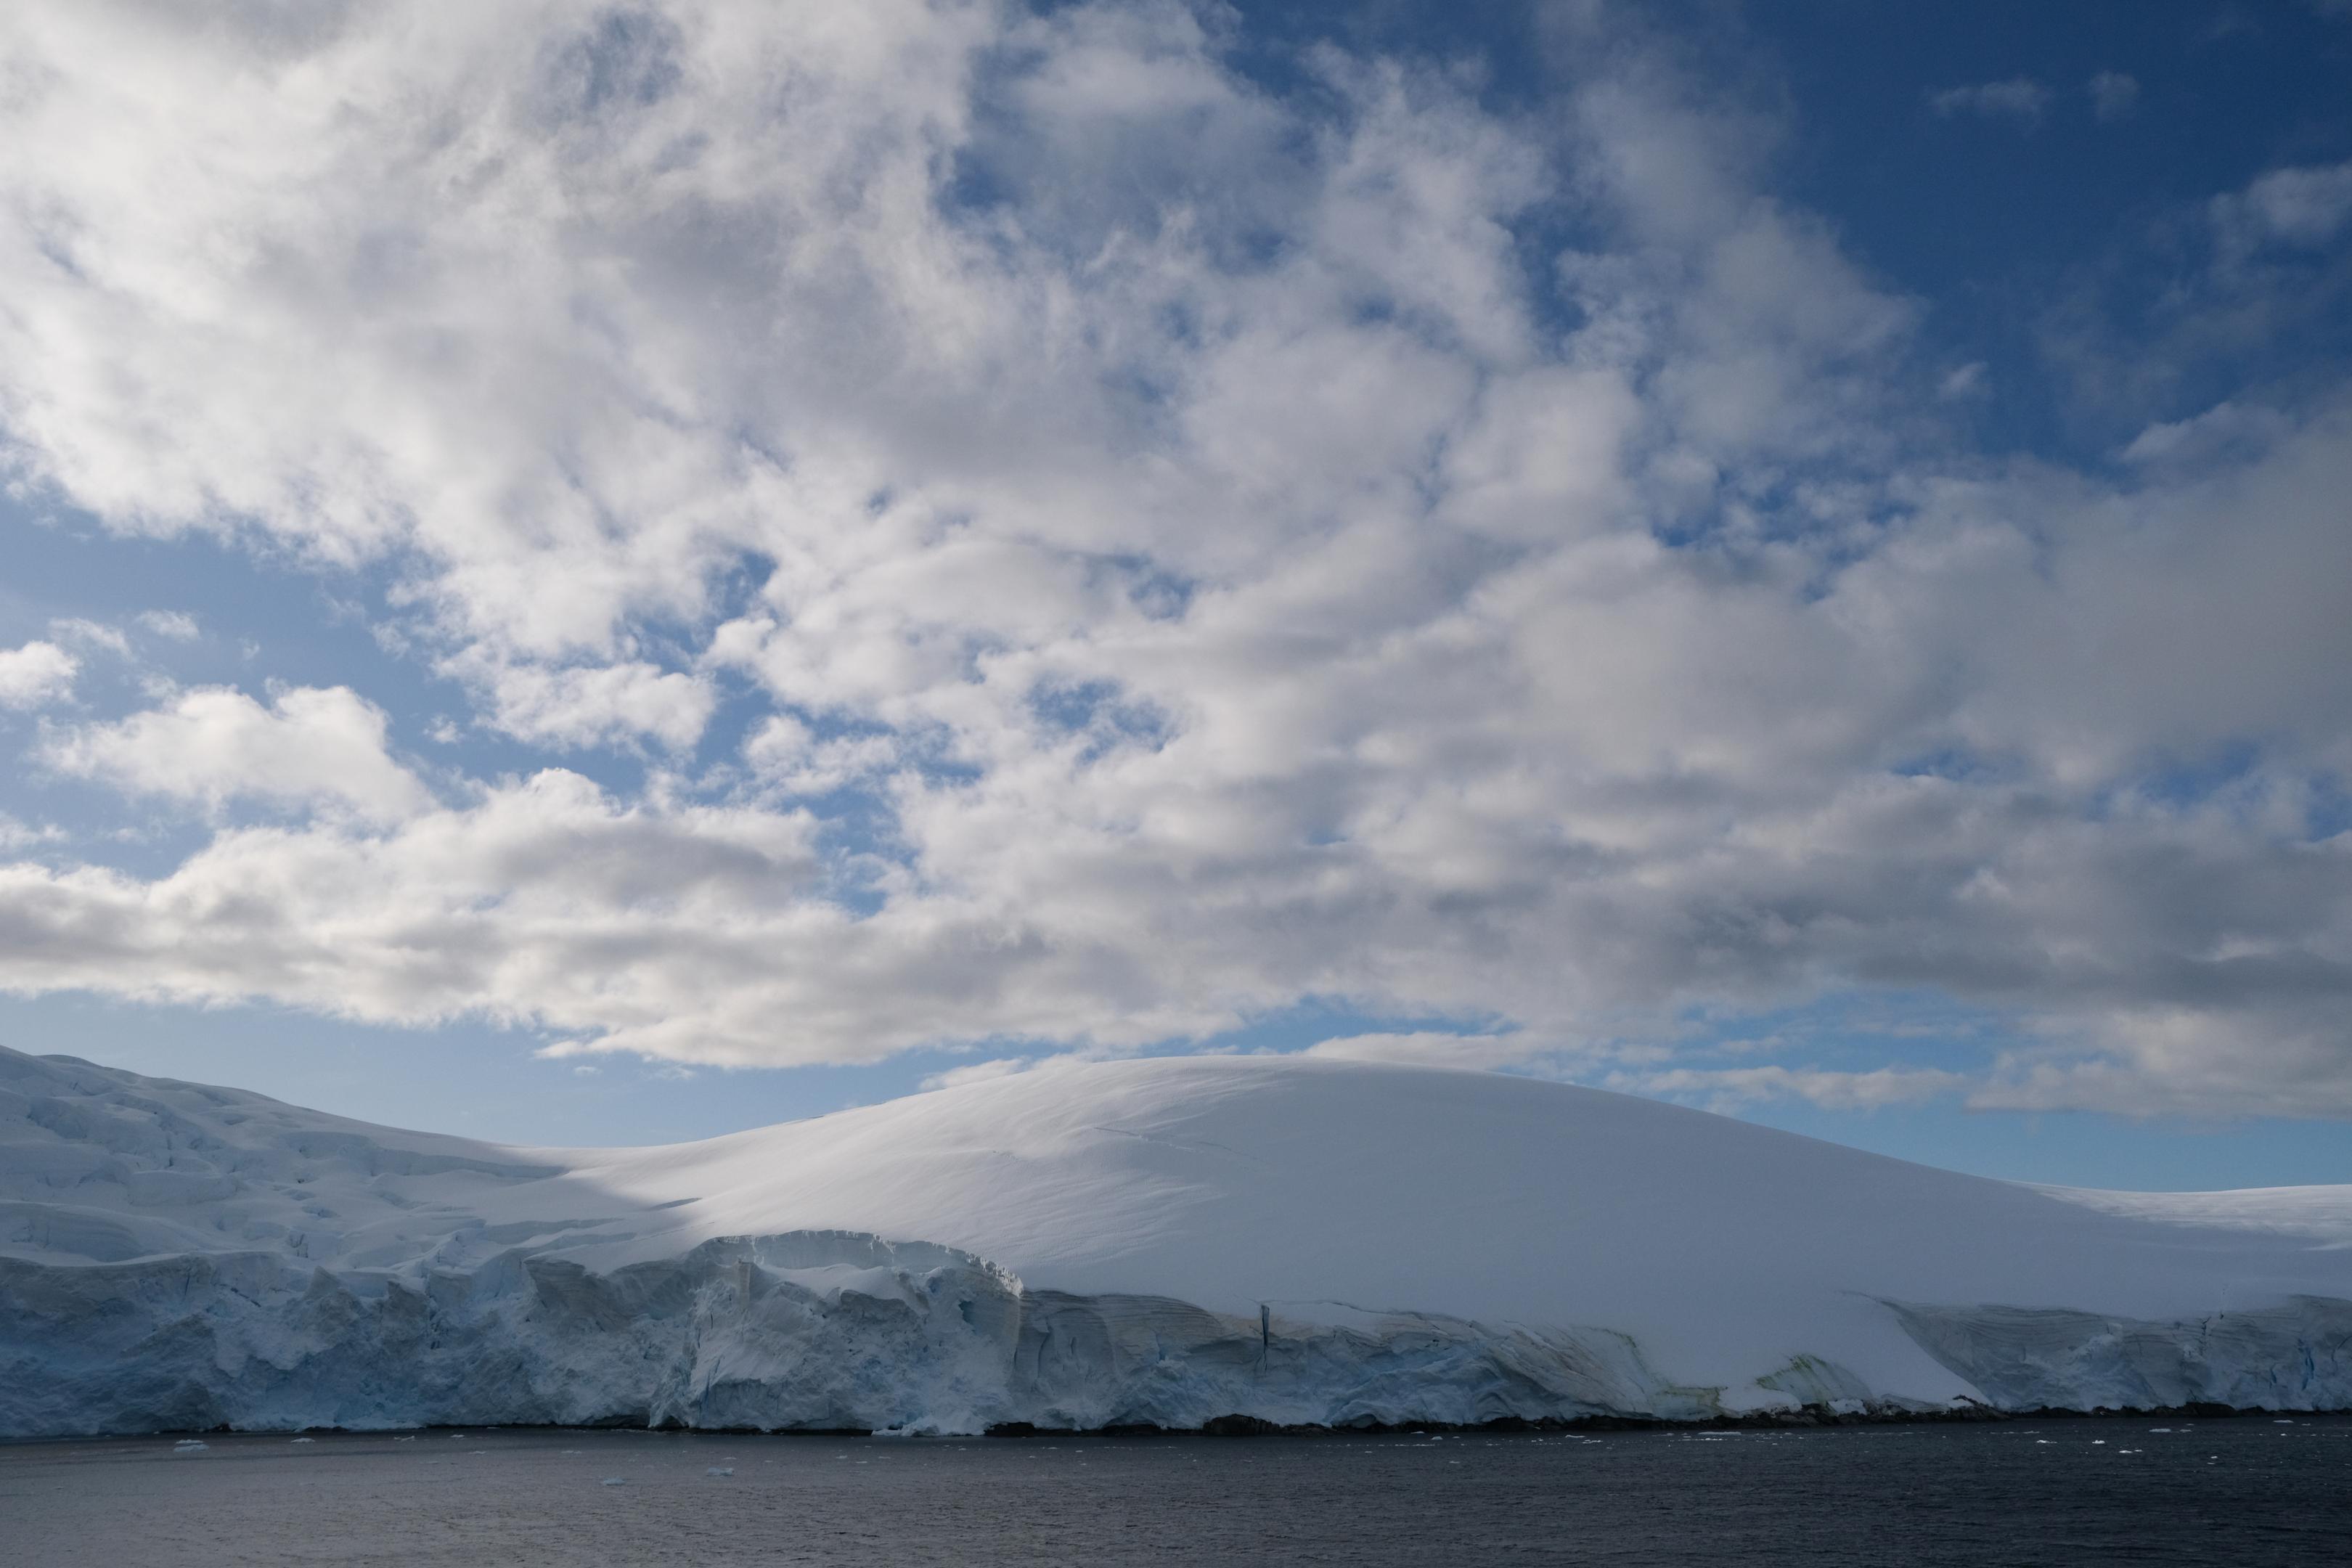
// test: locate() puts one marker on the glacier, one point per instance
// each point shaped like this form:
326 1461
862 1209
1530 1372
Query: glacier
1180 1243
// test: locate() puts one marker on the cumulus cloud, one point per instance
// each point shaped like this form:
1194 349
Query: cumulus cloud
36 674
2296 208
783 753
176 625
545 902
589 705
309 746
1183 550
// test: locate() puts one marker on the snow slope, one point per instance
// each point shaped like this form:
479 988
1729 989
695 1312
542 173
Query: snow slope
1163 1241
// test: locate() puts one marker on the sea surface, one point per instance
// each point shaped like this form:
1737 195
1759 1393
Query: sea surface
2241 1491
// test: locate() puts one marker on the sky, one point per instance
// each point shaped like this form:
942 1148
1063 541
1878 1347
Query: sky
580 572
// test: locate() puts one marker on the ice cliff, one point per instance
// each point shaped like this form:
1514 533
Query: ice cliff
1166 1242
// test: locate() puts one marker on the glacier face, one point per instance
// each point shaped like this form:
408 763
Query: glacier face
2295 1356
836 1330
807 1330
1105 1248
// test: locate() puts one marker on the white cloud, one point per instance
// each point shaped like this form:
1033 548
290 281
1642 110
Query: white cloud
2114 95
2162 1058
176 625
89 634
590 705
35 675
1730 1087
2224 430
16 835
977 1072
1430 1048
1966 382
310 746
1228 555
2299 207
783 751
2018 99
680 933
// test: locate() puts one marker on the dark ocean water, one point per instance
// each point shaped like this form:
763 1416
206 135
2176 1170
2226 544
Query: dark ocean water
2245 1490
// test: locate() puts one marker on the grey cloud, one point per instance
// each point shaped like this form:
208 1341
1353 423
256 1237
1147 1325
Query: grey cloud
1553 672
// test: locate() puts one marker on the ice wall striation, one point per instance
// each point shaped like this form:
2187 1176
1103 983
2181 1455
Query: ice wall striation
2294 1356
832 1330
810 1331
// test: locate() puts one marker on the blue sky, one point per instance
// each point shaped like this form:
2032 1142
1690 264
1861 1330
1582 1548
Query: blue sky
615 573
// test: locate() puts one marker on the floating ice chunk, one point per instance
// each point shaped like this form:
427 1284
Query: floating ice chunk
302 1439
189 1445
720 1470
614 1481
2159 1429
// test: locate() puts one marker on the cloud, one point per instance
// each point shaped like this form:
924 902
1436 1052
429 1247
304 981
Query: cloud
16 835
2293 208
2114 95
583 705
1430 1048
89 634
175 625
544 901
976 1072
1175 547
783 751
2019 99
2159 1060
35 675
1730 1087
2219 432
310 746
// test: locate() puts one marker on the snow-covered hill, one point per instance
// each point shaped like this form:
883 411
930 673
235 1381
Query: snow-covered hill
1164 1241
